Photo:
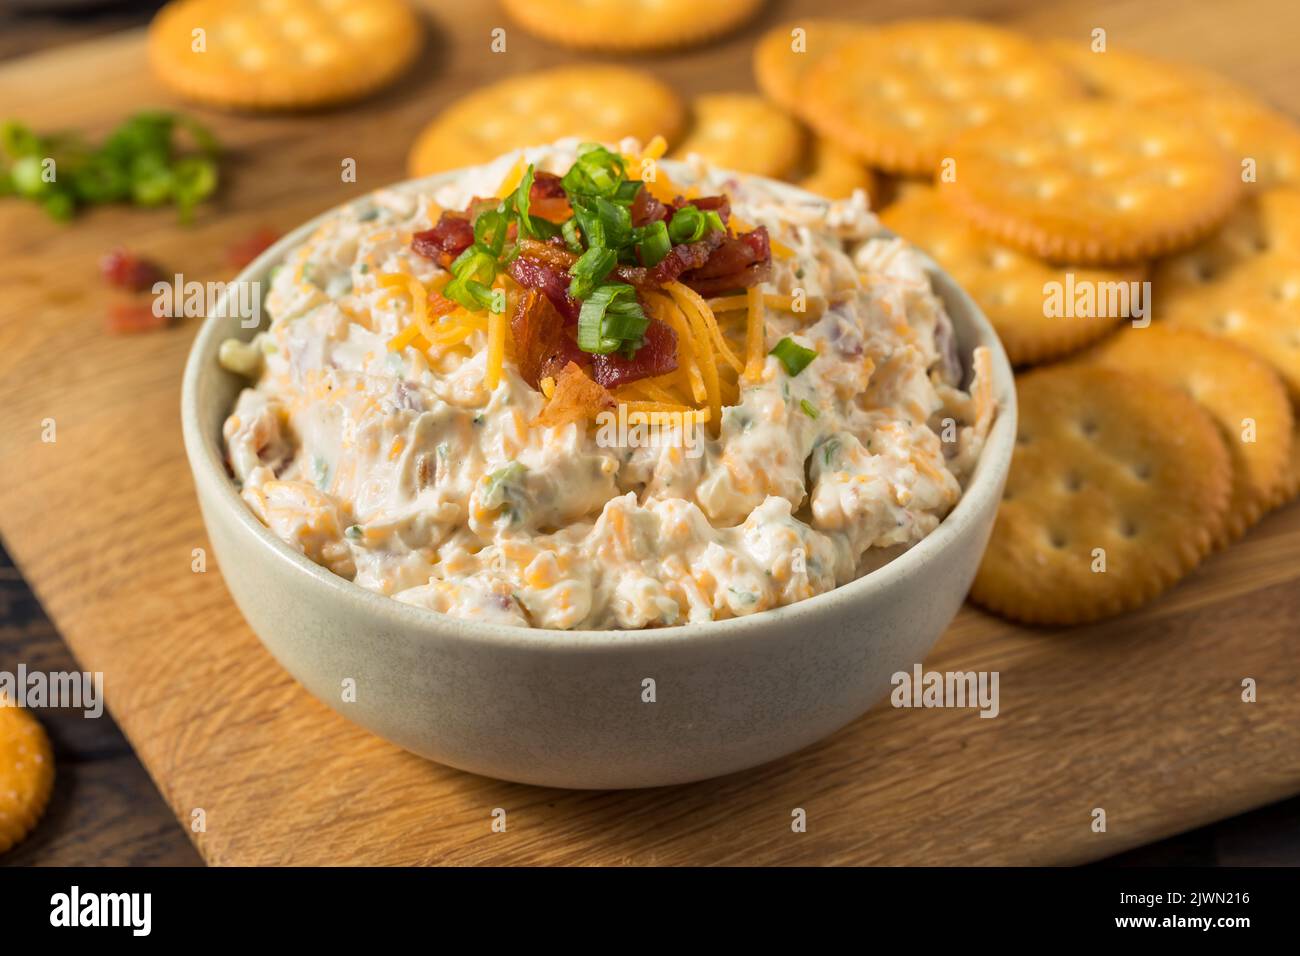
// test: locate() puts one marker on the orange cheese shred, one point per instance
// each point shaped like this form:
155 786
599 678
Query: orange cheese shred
755 335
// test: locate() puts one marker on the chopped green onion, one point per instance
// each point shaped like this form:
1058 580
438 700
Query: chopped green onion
808 408
590 270
490 229
194 178
27 178
151 180
593 231
615 222
655 244
522 199
596 172
793 356
18 140
139 162
569 231
611 319
713 222
473 273
626 192
687 225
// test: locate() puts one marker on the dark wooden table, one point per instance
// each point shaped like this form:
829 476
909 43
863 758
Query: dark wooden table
106 810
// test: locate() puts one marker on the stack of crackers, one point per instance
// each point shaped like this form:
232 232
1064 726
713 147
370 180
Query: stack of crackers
1129 226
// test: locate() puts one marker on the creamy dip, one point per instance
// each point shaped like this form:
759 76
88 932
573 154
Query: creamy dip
400 470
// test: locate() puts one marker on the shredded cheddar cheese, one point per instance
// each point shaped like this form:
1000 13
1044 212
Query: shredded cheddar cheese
693 304
512 178
496 348
755 335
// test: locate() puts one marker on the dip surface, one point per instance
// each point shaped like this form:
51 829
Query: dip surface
400 469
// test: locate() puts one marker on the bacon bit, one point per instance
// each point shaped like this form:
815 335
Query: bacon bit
542 346
551 281
244 251
685 257
656 356
439 305
125 318
646 208
546 186
719 204
553 210
737 263
553 253
451 236
126 270
576 398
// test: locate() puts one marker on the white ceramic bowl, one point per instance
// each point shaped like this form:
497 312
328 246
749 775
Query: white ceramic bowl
566 708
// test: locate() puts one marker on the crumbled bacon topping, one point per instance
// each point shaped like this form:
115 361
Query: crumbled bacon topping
576 398
737 263
685 257
449 237
545 266
646 208
656 356
542 344
126 270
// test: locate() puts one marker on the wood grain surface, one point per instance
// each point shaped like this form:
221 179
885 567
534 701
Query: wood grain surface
1140 716
104 809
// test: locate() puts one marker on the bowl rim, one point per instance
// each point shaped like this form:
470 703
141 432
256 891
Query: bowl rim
208 470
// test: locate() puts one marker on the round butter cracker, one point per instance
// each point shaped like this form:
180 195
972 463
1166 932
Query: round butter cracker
1243 283
897 95
1242 394
1126 75
1007 284
629 25
1091 182
294 54
592 102
742 132
1117 489
26 773
1262 141
836 173
784 54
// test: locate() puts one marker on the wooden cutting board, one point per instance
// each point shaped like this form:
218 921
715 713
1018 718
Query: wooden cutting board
1141 716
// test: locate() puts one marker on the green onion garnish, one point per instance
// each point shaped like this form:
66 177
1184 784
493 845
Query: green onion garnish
611 319
596 172
570 233
808 408
472 275
140 162
655 244
793 356
522 199
687 225
490 229
590 270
